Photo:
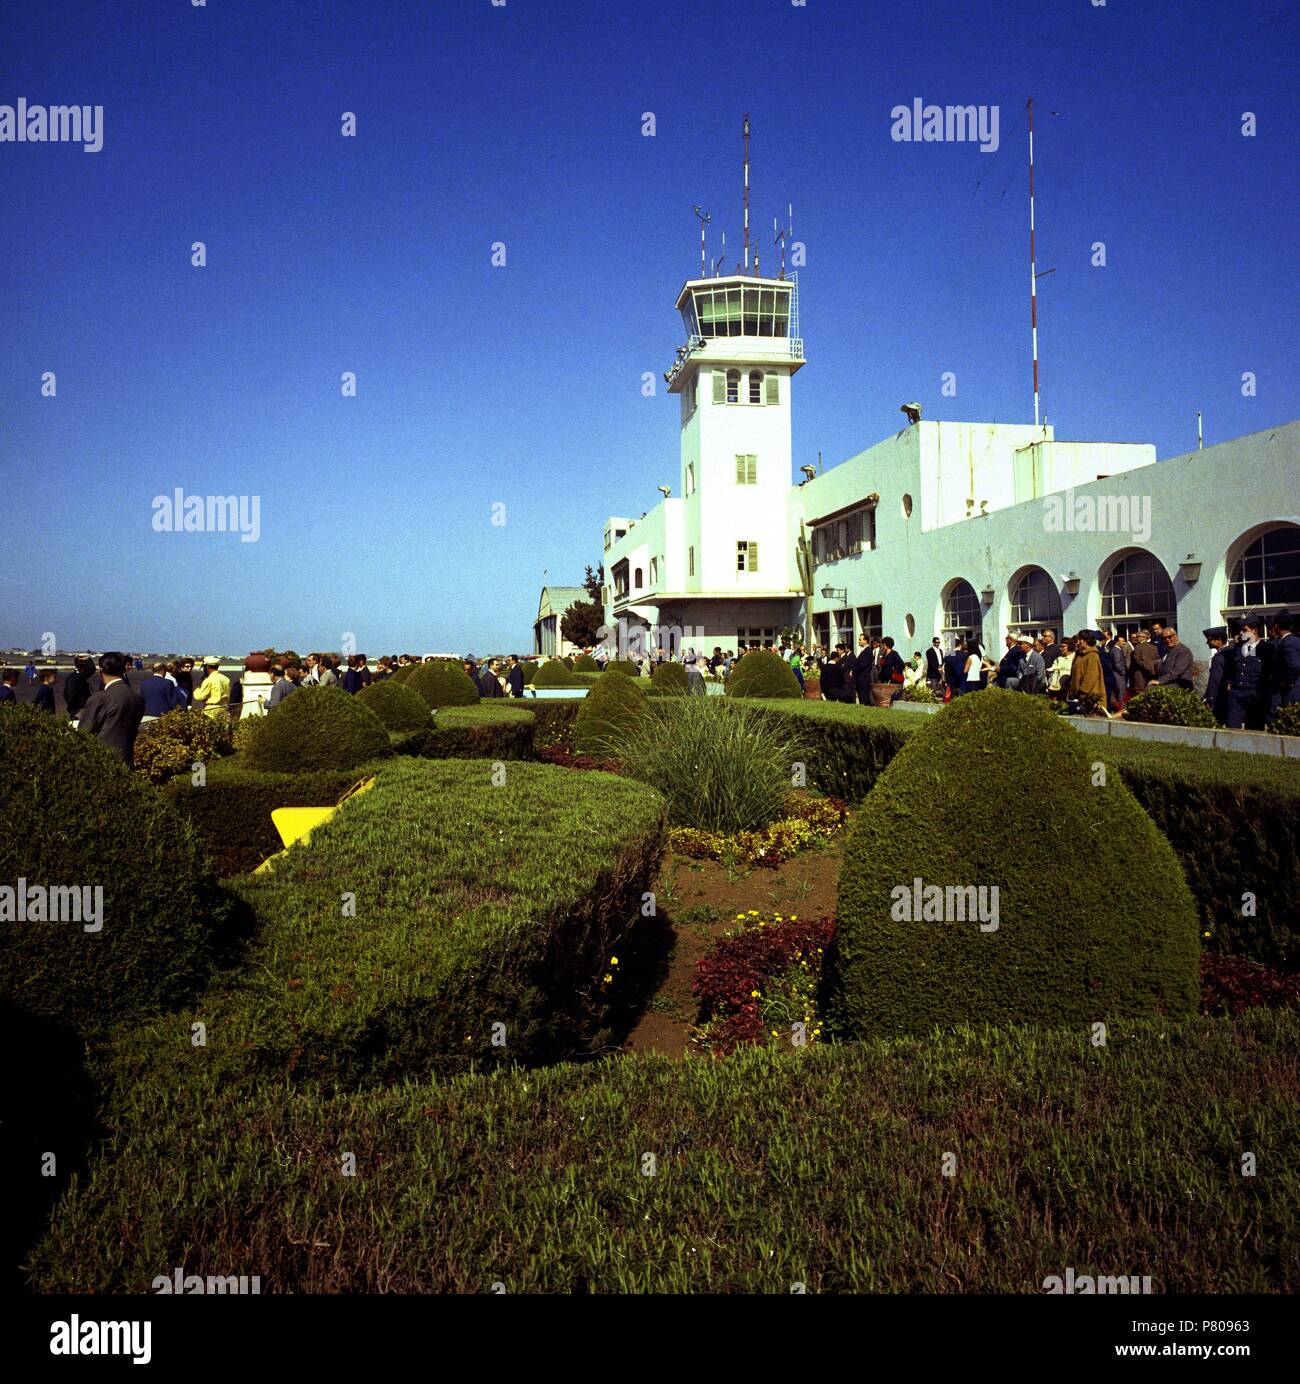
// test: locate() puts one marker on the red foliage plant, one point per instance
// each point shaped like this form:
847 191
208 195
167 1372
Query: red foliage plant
1230 984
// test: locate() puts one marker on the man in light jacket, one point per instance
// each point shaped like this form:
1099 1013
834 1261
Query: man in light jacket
1176 666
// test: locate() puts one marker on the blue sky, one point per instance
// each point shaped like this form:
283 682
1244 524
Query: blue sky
521 385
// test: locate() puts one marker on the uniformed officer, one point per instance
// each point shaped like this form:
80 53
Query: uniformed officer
1286 661
1220 678
1251 679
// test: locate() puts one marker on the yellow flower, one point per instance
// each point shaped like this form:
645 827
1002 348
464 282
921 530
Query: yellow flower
607 979
613 961
753 994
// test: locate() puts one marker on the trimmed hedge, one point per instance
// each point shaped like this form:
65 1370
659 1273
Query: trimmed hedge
623 665
1115 1159
488 731
530 672
475 903
316 728
584 663
555 673
232 811
763 673
1169 706
553 722
76 819
1053 946
669 680
443 684
1233 819
1287 720
175 742
608 714
399 707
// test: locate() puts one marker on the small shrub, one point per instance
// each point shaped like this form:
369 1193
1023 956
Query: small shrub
721 767
316 728
918 692
1169 706
623 665
399 707
486 731
610 713
584 663
175 742
669 680
530 672
1056 952
443 684
1287 720
810 822
554 673
76 819
763 673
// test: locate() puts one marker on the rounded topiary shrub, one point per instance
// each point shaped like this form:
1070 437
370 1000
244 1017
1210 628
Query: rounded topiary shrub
1169 706
399 707
609 713
918 692
530 672
624 666
973 888
763 673
129 915
443 684
584 663
1287 720
316 728
554 673
669 680
403 674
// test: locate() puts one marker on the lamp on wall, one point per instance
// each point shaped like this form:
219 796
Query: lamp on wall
987 595
1190 569
830 592
1070 583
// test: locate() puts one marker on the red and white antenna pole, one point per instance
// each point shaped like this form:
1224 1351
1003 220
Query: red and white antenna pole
745 131
705 218
1033 269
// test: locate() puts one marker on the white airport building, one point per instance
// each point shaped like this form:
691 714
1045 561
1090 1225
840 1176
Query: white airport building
944 528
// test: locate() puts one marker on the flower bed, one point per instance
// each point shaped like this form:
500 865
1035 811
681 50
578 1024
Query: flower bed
564 758
759 984
812 822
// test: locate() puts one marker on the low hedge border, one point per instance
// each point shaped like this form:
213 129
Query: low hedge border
1115 1159
486 731
432 907
232 811
1232 819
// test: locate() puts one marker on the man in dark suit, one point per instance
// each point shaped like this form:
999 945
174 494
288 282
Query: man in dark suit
1252 668
954 668
8 681
515 677
45 692
934 663
160 695
76 686
862 670
1220 675
833 680
1051 650
113 715
1009 667
1286 661
488 686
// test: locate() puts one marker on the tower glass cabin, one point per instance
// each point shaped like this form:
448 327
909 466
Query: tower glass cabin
733 376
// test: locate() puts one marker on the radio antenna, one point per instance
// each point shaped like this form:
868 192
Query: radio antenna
705 218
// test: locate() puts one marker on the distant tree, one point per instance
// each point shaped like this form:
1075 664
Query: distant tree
582 622
594 581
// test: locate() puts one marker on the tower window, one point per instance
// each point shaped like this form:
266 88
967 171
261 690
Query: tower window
733 386
746 557
755 386
639 583
747 470
690 561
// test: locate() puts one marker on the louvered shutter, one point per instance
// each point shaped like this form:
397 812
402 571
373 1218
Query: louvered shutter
719 387
773 389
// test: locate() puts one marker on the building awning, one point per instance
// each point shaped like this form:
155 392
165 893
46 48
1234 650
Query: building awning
870 502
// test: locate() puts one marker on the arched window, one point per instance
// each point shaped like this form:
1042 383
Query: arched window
961 610
1136 592
1267 574
733 386
638 582
755 386
1035 602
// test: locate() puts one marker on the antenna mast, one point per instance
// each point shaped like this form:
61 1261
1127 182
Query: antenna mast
1033 273
745 132
705 218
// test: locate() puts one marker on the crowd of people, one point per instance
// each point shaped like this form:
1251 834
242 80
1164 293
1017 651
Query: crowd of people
1251 674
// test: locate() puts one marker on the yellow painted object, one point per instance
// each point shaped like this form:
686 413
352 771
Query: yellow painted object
296 824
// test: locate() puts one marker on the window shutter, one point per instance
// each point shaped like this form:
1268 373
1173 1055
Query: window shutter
719 387
740 470
773 389
753 557
751 470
